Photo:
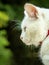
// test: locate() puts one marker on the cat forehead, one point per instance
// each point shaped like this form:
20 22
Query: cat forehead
25 22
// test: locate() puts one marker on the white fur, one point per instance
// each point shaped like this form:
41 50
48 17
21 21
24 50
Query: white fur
36 31
44 51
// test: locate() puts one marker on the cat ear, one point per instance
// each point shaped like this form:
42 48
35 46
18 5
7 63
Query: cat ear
31 10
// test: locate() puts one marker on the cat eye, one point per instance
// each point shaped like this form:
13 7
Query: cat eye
24 28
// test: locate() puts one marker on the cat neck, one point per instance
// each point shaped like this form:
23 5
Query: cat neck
44 38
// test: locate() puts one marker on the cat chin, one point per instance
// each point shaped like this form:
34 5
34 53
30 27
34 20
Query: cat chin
30 43
27 43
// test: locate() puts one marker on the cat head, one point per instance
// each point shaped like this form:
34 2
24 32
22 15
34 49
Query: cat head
33 26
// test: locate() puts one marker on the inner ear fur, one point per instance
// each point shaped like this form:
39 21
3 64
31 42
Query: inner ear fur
31 10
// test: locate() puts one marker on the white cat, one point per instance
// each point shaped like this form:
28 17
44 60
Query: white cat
35 26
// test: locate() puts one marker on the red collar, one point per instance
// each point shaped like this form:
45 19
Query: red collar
48 33
45 37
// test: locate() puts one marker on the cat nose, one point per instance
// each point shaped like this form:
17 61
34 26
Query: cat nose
21 37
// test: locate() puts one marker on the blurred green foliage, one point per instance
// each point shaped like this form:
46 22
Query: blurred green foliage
5 54
3 18
3 39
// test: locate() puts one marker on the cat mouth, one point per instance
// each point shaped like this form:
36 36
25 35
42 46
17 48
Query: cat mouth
27 42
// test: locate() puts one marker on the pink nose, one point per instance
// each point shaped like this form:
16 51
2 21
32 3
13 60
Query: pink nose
21 37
